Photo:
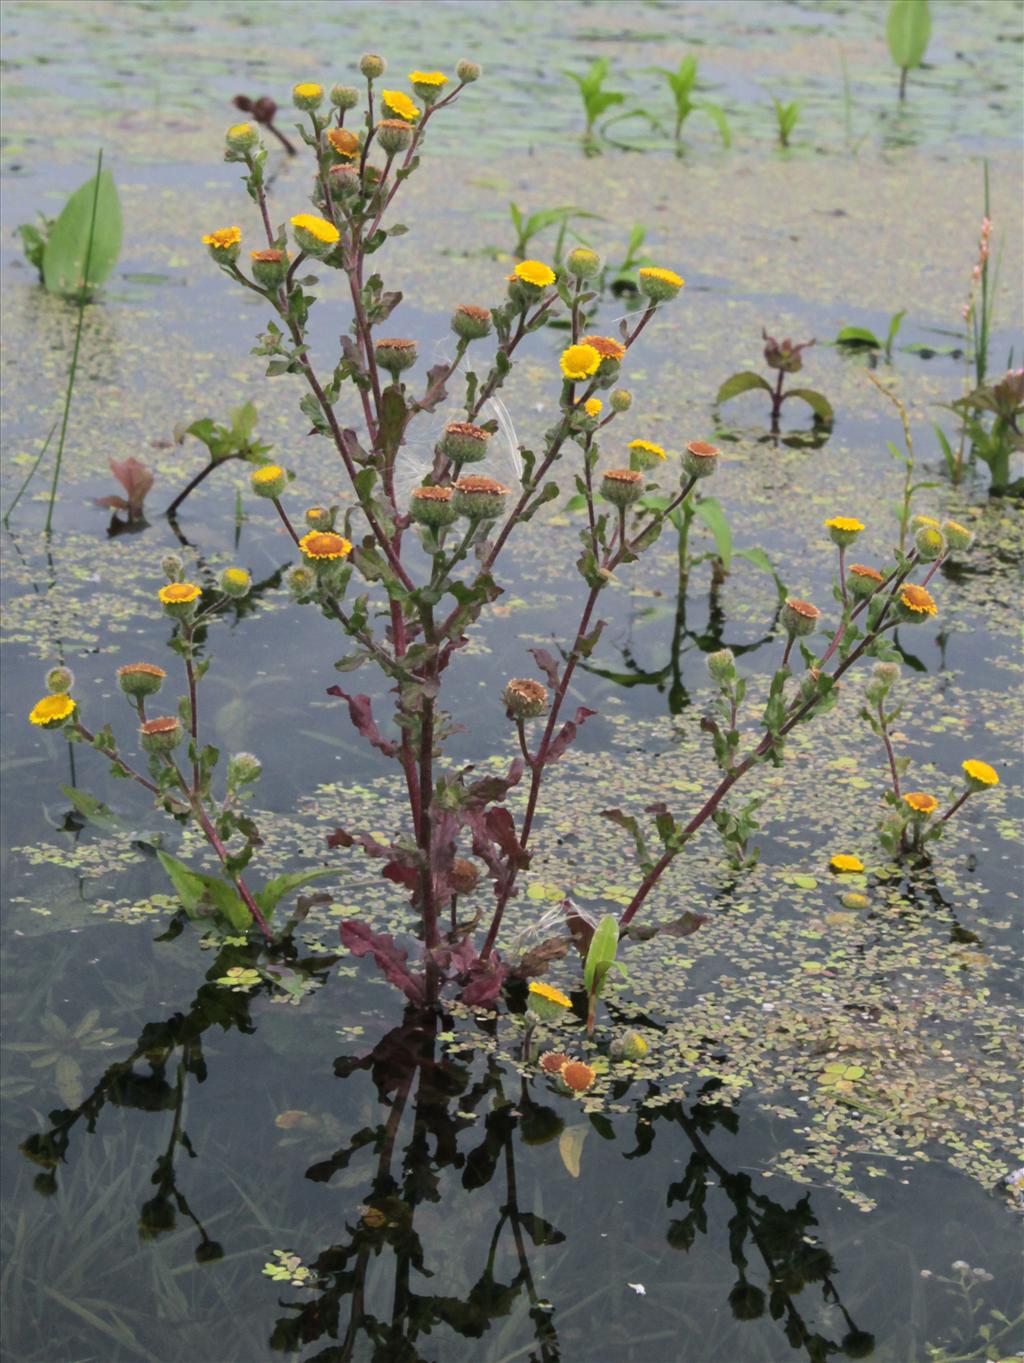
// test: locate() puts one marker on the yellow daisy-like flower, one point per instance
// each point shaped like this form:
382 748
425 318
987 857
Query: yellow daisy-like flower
646 447
667 276
437 78
269 473
51 710
308 90
549 992
324 544
593 406
179 593
981 771
921 803
535 272
317 227
240 130
842 862
918 599
224 238
397 102
848 524
580 361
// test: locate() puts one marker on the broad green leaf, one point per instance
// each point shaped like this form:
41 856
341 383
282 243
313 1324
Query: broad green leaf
603 946
194 889
64 257
908 29
187 883
818 403
710 511
94 810
273 891
760 559
742 382
570 1147
858 336
717 115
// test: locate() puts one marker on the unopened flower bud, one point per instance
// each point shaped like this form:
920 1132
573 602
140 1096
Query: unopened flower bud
395 355
467 71
315 235
659 285
172 567
471 323
269 481
525 698
308 96
700 459
930 544
630 1046
862 581
394 135
921 520
621 400
747 1301
320 518
243 137
344 181
583 263
464 443
269 267
235 582
480 498
372 66
886 673
622 487
433 506
301 581
59 680
344 96
799 618
243 768
140 679
161 735
957 536
463 876
722 665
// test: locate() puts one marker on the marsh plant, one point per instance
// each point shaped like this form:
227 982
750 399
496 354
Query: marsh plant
682 82
786 116
405 574
908 29
784 357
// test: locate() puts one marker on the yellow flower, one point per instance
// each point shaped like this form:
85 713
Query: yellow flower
308 90
179 593
981 771
645 447
660 286
669 276
929 522
427 78
841 862
535 272
240 130
606 346
224 238
399 104
319 228
53 710
580 361
269 473
917 599
848 524
324 544
593 406
549 992
921 803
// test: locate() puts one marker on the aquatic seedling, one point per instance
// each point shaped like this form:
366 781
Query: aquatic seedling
234 440
856 339
76 251
681 83
785 357
600 961
526 228
908 28
993 444
596 99
786 116
136 480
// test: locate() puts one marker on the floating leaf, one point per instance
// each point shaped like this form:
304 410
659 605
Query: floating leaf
570 1147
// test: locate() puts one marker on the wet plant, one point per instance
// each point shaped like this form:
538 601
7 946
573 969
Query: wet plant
682 82
786 116
785 357
908 29
1001 406
224 441
136 481
76 251
596 100
863 339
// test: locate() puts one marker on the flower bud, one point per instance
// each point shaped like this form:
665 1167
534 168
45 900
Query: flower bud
957 536
394 135
525 698
921 520
463 876
862 581
301 581
428 84
269 481
659 285
630 1046
344 96
621 400
161 735
480 498
979 775
722 665
308 97
342 143
156 1216
914 604
395 355
845 864
930 544
467 71
314 235
52 711
320 518
843 530
242 138
622 487
59 680
887 673
235 582
372 66
433 506
179 599
139 680
857 1344
700 459
471 323
243 769
269 267
343 181
172 567
583 263
224 244
464 443
799 618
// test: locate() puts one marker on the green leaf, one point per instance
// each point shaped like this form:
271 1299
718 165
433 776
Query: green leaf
710 511
603 946
188 884
760 559
742 382
94 810
273 891
855 337
818 403
717 115
908 29
195 889
894 325
64 257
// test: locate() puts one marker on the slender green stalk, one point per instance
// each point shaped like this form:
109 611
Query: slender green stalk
82 296
30 476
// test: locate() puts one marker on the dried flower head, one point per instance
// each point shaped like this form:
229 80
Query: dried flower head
343 141
622 487
140 679
432 506
464 443
470 322
161 735
577 1076
551 1062
799 618
605 346
700 459
480 497
525 699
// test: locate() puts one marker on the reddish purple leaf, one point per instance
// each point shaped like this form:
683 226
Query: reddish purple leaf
485 981
567 734
547 665
360 709
136 479
391 959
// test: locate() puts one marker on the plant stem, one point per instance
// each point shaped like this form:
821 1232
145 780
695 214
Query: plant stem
889 750
31 475
172 510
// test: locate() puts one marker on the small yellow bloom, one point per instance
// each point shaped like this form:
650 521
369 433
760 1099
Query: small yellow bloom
646 447
981 771
535 272
580 361
593 406
660 286
841 862
224 238
324 544
179 593
319 228
918 599
269 473
928 522
921 803
428 78
240 130
52 710
237 577
848 524
308 90
668 276
606 346
398 103
549 992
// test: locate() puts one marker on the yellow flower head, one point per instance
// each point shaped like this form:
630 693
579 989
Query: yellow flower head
606 346
981 771
268 473
549 992
437 78
925 522
580 361
324 544
237 577
179 593
535 272
398 103
660 286
319 228
224 238
921 803
842 862
308 90
847 524
667 276
917 599
593 406
646 447
240 130
51 710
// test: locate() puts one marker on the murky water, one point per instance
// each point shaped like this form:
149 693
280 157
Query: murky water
418 1191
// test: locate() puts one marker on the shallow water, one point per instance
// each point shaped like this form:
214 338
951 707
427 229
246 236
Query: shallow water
165 1136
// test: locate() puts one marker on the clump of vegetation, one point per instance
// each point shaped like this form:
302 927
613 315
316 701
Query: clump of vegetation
235 439
136 480
786 116
681 83
785 357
